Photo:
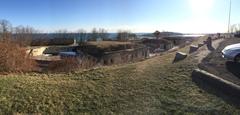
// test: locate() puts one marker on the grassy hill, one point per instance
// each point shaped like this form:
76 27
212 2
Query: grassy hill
154 86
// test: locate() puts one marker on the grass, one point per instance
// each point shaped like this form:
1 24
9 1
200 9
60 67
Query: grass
154 86
107 44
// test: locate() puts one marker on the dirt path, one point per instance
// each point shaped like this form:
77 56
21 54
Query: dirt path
169 57
216 65
204 51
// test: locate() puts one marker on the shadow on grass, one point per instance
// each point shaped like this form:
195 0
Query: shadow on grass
233 67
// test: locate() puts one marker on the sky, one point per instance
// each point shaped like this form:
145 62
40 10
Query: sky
186 16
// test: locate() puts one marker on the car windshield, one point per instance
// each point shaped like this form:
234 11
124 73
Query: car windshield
120 57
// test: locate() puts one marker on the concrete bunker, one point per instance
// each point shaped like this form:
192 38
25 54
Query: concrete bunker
114 52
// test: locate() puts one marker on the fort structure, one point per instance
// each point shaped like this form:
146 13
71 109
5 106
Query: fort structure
113 52
99 52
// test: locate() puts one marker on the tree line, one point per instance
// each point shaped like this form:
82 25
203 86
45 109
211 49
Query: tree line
235 28
25 33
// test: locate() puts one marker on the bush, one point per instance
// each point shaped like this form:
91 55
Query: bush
13 58
64 65
70 64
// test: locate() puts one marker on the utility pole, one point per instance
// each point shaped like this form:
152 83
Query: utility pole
229 18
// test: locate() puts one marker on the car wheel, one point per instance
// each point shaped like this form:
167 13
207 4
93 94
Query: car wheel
237 58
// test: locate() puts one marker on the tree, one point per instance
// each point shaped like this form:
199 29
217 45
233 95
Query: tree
123 35
5 26
82 36
24 35
238 29
62 33
132 36
103 34
157 34
5 30
94 35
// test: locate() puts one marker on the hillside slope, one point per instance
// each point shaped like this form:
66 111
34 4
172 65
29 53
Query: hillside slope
153 86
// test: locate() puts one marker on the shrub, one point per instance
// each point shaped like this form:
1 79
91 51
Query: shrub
13 58
70 64
64 65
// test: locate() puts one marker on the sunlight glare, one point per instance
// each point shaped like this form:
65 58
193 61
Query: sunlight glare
201 6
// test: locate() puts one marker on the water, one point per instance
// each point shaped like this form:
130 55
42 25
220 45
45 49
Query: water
110 35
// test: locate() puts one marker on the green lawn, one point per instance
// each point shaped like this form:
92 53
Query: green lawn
154 86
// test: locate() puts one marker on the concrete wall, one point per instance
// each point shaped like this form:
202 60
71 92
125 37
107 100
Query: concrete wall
125 56
158 44
36 51
222 86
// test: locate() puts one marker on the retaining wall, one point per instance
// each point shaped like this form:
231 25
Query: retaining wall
205 79
124 56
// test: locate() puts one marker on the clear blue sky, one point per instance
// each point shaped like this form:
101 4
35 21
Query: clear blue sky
135 15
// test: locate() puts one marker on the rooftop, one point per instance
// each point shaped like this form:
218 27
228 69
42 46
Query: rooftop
107 44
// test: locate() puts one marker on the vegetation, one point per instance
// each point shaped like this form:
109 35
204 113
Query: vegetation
5 26
98 34
235 28
82 36
13 57
108 44
154 86
124 35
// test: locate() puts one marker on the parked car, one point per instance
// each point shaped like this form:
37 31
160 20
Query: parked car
237 35
232 52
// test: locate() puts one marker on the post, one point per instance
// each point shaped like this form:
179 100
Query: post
229 18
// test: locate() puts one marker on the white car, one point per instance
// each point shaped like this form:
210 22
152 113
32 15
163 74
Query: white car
232 52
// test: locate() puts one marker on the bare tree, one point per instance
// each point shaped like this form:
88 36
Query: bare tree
5 26
24 35
103 34
123 35
5 30
238 29
82 36
62 33
233 28
63 37
94 35
157 34
132 36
